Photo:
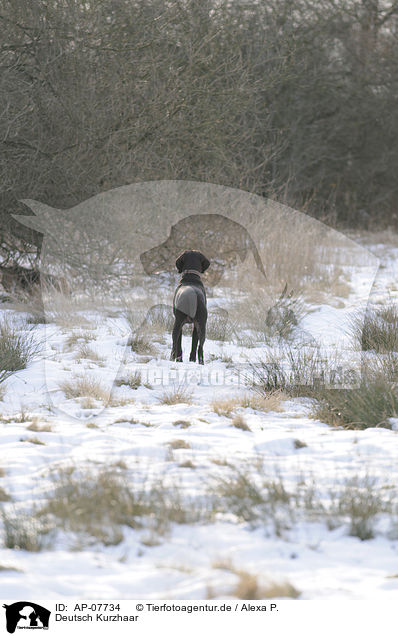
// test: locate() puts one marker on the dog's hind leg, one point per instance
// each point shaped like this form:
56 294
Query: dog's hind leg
179 347
176 351
192 357
201 331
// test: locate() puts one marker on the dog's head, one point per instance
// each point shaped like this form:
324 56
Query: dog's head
192 259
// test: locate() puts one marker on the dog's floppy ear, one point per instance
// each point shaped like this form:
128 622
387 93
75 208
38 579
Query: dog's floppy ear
205 262
180 262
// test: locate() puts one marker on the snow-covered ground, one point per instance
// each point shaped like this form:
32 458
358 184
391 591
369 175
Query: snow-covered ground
205 558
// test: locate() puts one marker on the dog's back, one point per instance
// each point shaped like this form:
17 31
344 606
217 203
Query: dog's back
186 299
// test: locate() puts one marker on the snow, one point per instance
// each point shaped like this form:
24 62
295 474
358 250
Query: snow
191 561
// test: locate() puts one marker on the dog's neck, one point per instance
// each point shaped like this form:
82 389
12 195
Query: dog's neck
191 271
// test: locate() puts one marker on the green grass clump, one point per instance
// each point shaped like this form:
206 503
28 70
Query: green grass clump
379 330
17 349
369 405
99 502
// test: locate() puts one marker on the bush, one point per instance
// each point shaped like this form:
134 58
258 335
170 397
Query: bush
254 497
295 371
98 502
17 349
23 531
360 502
379 331
369 405
219 326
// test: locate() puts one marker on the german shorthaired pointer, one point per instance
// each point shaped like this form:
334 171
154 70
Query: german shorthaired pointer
189 304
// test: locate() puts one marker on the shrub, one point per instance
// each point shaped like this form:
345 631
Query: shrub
269 319
98 502
95 503
369 405
17 349
219 326
294 371
23 531
360 501
251 497
254 497
379 330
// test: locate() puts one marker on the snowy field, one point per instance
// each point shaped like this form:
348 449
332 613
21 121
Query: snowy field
198 465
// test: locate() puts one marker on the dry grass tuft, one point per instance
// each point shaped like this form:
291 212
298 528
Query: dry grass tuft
67 311
99 502
176 444
88 403
140 344
360 501
87 353
4 496
39 428
225 407
239 422
271 401
182 423
133 380
23 531
35 440
177 395
248 587
77 338
299 444
187 464
84 386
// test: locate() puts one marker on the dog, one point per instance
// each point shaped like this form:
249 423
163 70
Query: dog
224 241
190 304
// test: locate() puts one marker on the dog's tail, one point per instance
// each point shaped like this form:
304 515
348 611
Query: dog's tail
186 300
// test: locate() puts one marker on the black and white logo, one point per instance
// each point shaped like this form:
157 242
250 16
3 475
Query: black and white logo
26 615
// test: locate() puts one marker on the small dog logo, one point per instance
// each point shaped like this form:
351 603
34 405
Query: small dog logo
26 615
